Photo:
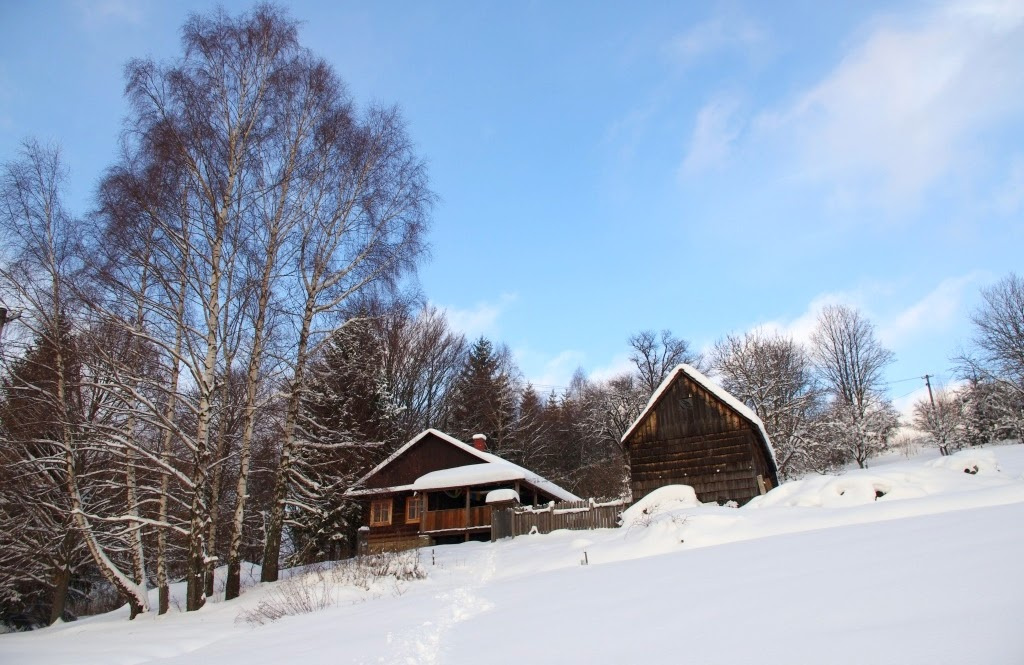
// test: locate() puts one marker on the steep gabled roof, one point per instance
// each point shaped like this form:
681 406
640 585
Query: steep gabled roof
493 467
718 391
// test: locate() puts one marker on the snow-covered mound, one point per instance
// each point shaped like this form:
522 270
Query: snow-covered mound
908 562
909 480
663 499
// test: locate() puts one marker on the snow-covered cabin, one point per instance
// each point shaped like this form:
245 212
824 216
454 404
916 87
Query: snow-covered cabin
693 432
434 490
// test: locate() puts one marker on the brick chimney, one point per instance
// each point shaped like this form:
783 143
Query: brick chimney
480 442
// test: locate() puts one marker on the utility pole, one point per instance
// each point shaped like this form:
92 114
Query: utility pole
928 383
943 450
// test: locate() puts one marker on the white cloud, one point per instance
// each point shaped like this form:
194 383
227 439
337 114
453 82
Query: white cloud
479 320
905 105
617 366
714 135
905 403
549 373
896 324
800 328
720 33
937 310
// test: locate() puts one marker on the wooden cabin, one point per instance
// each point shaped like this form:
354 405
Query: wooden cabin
434 490
693 432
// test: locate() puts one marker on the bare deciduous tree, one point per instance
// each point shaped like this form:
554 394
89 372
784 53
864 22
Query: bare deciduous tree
423 357
850 360
774 376
942 420
43 245
999 330
995 363
362 224
655 355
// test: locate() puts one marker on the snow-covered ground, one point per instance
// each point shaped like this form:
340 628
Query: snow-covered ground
907 562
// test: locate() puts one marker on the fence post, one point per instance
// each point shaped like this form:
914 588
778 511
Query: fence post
362 541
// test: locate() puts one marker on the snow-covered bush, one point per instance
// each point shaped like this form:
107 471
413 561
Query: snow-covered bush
968 461
319 587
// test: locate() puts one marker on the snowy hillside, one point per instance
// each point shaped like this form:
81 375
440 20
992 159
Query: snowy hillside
908 562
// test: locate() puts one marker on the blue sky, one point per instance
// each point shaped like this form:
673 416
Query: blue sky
606 168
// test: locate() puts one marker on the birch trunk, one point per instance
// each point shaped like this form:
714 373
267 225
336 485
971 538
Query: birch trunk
275 521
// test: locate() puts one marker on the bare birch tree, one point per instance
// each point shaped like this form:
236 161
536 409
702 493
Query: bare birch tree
274 202
850 361
423 357
44 251
223 118
143 258
361 226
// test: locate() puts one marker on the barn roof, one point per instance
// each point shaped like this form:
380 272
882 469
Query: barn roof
493 469
718 391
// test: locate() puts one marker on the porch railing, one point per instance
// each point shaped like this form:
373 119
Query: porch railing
442 520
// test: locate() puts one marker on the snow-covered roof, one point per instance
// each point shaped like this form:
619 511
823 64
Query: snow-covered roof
494 469
363 491
501 496
471 474
718 391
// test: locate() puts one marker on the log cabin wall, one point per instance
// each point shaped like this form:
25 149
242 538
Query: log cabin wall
398 535
429 454
691 437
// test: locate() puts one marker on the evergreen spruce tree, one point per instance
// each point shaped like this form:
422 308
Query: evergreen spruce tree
484 398
349 420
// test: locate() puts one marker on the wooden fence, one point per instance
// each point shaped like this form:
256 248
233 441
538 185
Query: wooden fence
572 515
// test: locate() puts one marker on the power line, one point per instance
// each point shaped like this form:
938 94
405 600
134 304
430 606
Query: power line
907 394
913 378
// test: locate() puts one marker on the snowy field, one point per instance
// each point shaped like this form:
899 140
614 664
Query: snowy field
907 562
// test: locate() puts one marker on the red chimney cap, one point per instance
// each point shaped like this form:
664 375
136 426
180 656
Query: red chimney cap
480 442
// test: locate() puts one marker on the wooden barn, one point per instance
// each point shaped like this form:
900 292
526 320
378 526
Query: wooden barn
436 489
693 432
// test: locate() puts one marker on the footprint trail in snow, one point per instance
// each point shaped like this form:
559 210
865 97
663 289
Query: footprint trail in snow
424 644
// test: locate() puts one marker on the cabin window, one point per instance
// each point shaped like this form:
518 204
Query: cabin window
380 512
413 509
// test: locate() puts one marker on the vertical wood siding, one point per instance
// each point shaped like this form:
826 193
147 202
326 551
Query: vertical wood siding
692 438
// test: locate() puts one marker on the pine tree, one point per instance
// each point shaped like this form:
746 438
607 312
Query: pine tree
533 443
349 423
484 397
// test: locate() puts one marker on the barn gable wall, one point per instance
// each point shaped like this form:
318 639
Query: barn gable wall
692 438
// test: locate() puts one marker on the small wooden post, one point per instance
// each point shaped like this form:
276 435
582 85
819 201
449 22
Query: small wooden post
468 521
424 504
362 541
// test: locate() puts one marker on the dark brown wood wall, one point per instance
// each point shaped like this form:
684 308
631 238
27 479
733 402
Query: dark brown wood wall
692 438
398 528
428 454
